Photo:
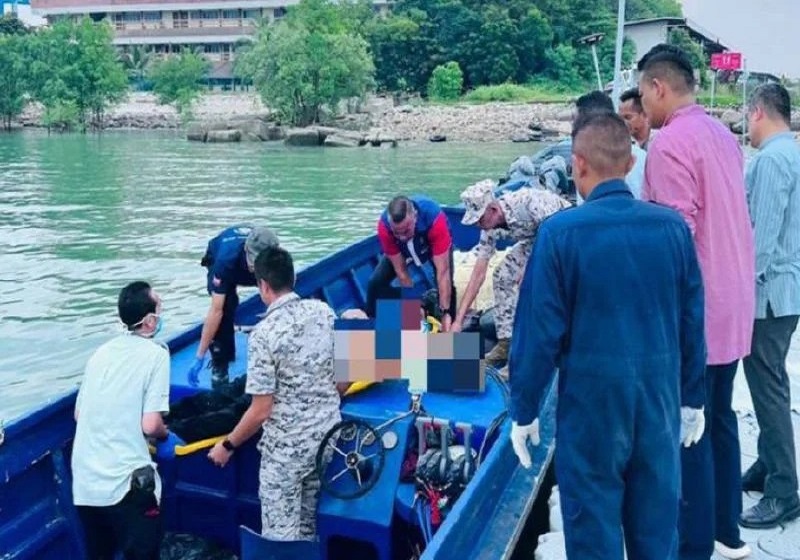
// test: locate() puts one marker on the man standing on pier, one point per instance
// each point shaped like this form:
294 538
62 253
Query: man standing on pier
614 300
229 259
632 112
773 194
695 165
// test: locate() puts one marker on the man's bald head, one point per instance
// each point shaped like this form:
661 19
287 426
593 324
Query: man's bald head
603 141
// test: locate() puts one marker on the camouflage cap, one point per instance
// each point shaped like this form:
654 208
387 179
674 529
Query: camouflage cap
476 198
257 240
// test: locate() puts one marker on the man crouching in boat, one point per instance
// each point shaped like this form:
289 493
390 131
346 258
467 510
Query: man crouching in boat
516 215
290 375
614 300
414 230
229 260
125 388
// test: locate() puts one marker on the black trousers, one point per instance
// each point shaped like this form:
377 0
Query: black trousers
223 345
711 473
765 369
380 286
133 526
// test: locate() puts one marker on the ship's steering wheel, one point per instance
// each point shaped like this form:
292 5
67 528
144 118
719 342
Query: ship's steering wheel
356 447
353 452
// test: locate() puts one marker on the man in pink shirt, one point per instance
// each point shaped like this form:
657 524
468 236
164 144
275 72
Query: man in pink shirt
695 166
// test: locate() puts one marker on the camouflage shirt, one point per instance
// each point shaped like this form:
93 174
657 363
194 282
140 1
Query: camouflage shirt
290 356
524 209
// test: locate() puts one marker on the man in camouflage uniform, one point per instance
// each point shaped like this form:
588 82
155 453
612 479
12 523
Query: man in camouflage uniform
515 215
290 375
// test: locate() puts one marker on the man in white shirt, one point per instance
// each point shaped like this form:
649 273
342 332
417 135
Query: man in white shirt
125 388
597 101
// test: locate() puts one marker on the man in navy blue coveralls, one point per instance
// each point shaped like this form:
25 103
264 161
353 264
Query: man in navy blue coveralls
613 298
229 259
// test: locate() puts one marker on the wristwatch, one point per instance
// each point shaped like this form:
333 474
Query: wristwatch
444 311
226 443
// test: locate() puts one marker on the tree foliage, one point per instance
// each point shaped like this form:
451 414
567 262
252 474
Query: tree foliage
10 24
137 63
311 59
12 78
446 82
496 41
177 79
73 70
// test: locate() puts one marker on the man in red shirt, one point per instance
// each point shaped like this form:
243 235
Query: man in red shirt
413 230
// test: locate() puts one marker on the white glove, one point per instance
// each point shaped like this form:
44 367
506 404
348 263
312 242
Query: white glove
693 423
519 438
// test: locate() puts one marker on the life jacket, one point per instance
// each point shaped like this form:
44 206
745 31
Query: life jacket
418 248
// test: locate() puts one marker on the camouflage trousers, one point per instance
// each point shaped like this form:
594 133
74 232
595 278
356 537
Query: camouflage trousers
289 494
506 279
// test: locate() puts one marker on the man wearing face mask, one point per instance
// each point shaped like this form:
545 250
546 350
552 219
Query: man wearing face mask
229 259
414 230
124 392
516 215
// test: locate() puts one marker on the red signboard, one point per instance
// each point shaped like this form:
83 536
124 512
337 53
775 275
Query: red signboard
726 61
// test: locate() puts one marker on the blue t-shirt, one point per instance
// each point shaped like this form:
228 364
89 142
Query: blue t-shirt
228 265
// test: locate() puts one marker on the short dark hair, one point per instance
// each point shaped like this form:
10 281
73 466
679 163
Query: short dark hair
669 63
774 100
594 102
135 302
632 95
603 139
398 208
274 266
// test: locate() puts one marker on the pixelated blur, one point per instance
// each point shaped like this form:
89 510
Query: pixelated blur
395 346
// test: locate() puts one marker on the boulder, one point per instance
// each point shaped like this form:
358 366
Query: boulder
196 132
224 136
275 132
387 139
303 137
342 141
731 117
254 130
522 136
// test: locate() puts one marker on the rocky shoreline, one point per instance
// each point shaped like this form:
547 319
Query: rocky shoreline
378 118
226 117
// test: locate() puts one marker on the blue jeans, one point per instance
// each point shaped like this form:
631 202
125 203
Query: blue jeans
711 493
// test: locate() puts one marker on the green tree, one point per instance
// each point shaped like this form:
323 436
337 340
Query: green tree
177 80
308 61
12 78
74 72
682 39
446 82
10 24
136 62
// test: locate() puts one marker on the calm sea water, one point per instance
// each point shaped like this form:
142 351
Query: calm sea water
80 216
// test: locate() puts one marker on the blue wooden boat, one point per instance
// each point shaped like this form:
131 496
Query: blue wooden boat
38 520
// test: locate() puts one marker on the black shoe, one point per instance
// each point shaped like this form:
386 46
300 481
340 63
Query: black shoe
770 512
753 480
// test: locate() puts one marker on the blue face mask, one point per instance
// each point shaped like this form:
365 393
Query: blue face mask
159 326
